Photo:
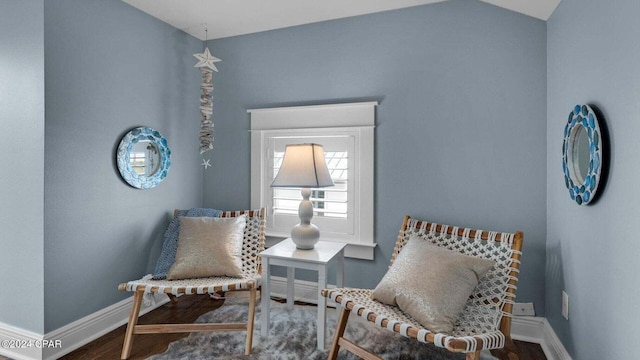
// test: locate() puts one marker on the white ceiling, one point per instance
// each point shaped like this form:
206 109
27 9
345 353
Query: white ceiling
224 18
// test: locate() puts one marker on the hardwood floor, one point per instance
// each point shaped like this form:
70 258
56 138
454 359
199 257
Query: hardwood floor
109 346
187 309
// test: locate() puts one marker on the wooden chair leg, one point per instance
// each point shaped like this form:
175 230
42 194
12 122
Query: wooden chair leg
250 320
473 355
508 352
133 321
512 349
173 298
340 327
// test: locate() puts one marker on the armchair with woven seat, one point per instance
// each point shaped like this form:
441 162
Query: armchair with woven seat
240 272
453 287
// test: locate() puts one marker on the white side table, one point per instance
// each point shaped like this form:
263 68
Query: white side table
286 254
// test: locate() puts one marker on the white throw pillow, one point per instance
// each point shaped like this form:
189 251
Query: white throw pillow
431 283
209 246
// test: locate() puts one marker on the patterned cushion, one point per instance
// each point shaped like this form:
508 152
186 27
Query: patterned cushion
431 283
170 244
209 246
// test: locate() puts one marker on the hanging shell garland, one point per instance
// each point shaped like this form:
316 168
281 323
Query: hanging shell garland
207 65
206 111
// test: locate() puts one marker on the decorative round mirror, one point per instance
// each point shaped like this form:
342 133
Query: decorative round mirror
143 158
582 154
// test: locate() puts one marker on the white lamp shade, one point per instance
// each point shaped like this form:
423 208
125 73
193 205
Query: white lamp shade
303 166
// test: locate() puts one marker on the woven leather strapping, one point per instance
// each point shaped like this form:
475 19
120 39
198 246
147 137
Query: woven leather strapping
253 242
478 327
252 245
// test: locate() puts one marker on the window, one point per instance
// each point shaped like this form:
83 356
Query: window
343 212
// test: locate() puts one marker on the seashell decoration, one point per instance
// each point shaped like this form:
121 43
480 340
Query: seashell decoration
207 66
582 154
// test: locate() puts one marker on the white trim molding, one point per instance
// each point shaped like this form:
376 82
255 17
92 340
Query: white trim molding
93 326
527 328
15 343
538 330
305 291
73 335
551 344
346 127
314 116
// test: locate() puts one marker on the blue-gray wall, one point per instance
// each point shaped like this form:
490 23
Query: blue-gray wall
461 131
21 163
461 126
592 251
109 68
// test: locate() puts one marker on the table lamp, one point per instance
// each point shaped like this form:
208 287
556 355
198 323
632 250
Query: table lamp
304 166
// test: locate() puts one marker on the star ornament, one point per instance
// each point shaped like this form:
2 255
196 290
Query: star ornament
206 60
206 163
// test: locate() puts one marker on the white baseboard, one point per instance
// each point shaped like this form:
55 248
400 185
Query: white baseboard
306 291
91 327
552 345
538 330
19 344
527 328
73 335
82 331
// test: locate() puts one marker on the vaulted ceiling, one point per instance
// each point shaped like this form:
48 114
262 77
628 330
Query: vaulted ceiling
224 18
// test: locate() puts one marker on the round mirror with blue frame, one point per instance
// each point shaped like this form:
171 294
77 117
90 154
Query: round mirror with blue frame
582 154
143 158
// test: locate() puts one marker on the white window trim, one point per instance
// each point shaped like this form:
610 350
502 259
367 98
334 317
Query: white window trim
352 118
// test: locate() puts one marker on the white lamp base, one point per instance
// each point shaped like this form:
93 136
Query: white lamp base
305 235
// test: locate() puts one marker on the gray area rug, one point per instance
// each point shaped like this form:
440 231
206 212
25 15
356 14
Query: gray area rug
292 336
